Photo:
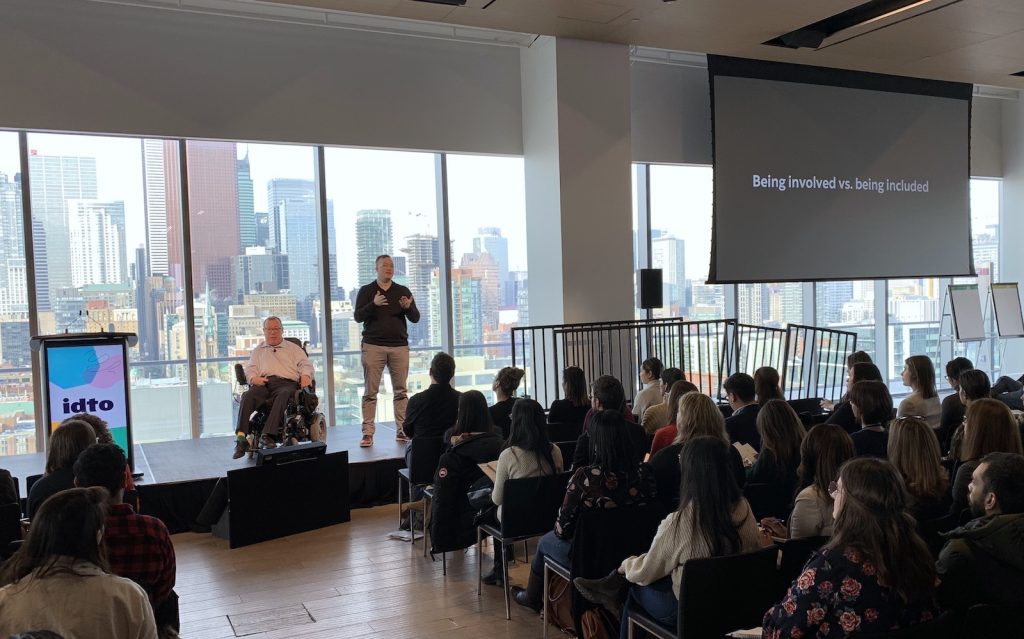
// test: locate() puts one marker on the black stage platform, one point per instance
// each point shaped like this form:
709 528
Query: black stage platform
178 476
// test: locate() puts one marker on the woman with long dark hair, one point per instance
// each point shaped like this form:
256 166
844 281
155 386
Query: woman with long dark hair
825 448
919 375
528 453
473 417
843 411
876 574
60 579
613 479
66 443
781 435
713 520
574 407
766 385
988 428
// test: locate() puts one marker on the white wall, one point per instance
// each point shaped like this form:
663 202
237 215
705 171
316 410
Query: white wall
671 114
986 137
1011 223
94 67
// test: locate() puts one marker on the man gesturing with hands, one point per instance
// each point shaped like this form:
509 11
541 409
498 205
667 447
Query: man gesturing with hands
382 307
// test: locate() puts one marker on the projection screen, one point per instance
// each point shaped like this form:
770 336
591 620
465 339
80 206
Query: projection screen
824 174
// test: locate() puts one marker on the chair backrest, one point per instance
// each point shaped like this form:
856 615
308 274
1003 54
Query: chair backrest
10 525
986 620
423 456
530 505
240 375
810 405
946 626
604 538
568 450
795 553
564 431
746 582
297 342
931 531
769 500
30 481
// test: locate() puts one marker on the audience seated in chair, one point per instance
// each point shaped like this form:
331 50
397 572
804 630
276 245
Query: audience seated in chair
919 375
505 384
650 394
664 436
698 416
138 546
741 425
66 443
528 453
852 359
612 480
974 385
104 436
988 428
713 519
574 407
914 451
872 406
60 579
607 393
875 574
452 524
766 385
433 411
472 418
825 448
953 408
983 561
661 415
781 433
843 411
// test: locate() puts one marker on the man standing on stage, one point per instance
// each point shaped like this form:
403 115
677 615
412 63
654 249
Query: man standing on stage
382 306
276 369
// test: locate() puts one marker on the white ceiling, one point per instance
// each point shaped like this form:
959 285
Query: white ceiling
978 41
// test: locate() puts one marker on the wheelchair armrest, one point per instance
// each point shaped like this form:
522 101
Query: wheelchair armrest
240 375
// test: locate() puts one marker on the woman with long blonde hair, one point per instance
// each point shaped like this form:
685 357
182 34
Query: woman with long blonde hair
698 416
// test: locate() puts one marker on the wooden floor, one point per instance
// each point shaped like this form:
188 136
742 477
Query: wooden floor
344 581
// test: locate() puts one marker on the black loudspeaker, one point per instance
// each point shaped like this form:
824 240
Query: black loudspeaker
650 288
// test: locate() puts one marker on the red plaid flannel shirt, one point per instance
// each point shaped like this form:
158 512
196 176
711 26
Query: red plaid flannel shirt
139 548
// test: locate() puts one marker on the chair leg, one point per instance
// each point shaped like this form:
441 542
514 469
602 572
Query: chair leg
630 627
400 507
544 604
526 549
424 525
444 564
479 562
508 589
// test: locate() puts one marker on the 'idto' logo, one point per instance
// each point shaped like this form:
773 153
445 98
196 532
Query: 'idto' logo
86 405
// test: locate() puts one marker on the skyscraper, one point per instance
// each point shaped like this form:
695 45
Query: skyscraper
482 267
422 256
669 254
489 240
154 183
55 180
373 238
294 220
246 206
13 291
213 217
97 251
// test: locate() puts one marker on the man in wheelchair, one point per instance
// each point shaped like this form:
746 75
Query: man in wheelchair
275 371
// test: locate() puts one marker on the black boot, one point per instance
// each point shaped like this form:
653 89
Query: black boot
496 578
532 596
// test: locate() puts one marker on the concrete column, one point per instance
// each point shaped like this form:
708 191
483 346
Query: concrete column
1011 221
576 139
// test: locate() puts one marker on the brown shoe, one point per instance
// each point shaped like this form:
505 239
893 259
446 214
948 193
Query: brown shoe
366 441
241 448
268 442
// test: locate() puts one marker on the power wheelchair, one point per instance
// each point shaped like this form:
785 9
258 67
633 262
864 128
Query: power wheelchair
302 421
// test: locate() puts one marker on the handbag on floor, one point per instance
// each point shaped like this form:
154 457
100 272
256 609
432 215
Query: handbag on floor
559 604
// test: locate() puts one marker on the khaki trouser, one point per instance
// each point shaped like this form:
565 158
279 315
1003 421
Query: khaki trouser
374 359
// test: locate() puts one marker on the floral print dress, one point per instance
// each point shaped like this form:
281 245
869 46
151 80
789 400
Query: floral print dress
839 594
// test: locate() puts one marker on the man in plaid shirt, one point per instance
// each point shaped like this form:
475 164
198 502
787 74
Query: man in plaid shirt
138 546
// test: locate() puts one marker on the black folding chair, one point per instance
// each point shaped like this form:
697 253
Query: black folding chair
747 580
529 508
564 431
985 621
769 500
423 457
10 528
602 540
795 553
